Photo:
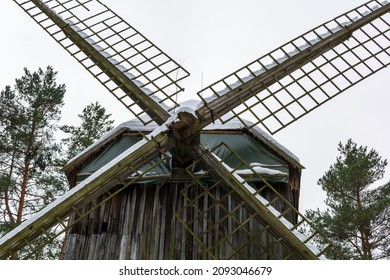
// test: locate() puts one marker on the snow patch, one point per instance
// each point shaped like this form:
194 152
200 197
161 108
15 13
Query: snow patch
193 104
258 168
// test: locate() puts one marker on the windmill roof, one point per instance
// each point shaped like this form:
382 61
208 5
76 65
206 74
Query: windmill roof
137 126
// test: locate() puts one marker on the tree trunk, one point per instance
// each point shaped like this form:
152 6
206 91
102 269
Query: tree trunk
23 191
366 245
364 231
6 192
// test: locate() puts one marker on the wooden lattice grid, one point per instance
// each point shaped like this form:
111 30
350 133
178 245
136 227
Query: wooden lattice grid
280 87
222 226
29 246
203 187
99 37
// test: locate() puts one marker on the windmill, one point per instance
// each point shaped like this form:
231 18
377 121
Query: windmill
272 91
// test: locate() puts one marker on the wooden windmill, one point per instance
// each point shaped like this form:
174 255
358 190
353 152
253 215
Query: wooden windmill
217 211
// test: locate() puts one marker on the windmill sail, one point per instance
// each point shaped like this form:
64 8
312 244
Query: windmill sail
140 75
289 82
114 173
248 197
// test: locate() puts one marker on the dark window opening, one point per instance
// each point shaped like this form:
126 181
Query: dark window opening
104 227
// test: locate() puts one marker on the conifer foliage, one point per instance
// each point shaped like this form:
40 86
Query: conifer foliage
95 122
30 161
32 156
358 215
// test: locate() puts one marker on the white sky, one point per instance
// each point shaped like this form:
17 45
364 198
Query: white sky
216 38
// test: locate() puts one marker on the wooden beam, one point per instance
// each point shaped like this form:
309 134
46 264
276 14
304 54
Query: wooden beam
265 216
145 102
232 99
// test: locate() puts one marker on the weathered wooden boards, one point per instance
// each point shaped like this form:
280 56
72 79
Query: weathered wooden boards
172 221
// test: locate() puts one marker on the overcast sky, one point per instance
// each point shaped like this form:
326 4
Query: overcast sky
216 38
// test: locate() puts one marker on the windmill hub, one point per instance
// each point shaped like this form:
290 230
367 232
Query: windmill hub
185 127
186 132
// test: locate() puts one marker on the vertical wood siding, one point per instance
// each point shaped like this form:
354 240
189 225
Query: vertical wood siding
171 221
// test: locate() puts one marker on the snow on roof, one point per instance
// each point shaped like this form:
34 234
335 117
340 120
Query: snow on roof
188 106
257 131
103 140
259 168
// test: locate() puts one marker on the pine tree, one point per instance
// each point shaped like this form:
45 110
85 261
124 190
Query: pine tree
95 122
357 219
30 160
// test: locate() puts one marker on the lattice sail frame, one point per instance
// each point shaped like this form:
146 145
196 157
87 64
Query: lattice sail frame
256 228
288 92
59 216
156 74
78 213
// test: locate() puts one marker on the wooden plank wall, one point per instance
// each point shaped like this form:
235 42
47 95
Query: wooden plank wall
142 223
